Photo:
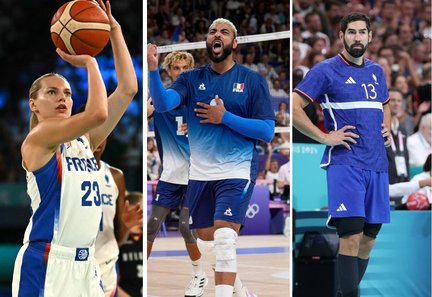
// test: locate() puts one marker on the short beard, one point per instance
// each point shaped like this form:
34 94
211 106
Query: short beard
226 51
356 53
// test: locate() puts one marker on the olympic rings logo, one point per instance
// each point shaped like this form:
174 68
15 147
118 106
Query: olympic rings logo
252 210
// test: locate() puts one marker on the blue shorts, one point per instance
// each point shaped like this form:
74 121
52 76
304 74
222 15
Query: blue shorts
226 200
170 195
355 192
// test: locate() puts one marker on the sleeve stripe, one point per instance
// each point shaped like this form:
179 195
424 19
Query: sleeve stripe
387 101
304 94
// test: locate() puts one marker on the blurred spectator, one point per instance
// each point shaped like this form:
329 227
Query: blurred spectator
178 19
271 172
372 50
316 44
405 116
397 153
336 48
277 92
387 17
296 63
283 112
419 144
166 80
163 38
266 69
268 26
405 36
153 160
314 27
249 63
297 28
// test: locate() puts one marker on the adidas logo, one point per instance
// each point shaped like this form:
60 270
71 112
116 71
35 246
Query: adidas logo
342 208
228 212
350 81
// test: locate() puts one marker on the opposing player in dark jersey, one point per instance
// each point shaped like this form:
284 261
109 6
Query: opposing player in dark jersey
130 259
171 191
352 92
229 109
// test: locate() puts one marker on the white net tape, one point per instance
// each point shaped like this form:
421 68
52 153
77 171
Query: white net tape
240 39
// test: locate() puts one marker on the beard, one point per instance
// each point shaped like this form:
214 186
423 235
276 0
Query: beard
356 52
226 51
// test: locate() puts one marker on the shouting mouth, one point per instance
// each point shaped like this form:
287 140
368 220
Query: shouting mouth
217 46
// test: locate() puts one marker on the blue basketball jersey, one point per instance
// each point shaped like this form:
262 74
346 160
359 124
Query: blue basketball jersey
173 146
350 94
218 152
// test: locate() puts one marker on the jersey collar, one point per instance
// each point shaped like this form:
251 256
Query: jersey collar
350 63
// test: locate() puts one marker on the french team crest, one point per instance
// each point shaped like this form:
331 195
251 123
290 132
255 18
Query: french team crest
238 88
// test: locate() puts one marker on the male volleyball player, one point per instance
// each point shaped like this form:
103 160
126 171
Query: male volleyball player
352 92
229 108
171 189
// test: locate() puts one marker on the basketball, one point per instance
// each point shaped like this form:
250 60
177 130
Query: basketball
80 27
417 201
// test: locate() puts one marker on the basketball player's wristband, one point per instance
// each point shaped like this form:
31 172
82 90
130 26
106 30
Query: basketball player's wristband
163 100
253 128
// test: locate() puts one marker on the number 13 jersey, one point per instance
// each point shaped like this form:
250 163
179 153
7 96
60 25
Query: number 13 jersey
65 198
350 94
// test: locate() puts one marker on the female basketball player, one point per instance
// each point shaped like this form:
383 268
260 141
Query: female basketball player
62 176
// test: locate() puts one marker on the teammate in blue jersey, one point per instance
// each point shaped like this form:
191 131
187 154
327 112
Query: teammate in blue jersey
229 109
171 190
57 258
352 92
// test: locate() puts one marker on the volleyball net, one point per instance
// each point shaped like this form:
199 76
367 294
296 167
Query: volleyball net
267 53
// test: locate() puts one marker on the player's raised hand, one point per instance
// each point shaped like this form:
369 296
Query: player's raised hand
211 113
76 60
340 137
107 9
152 56
386 134
132 215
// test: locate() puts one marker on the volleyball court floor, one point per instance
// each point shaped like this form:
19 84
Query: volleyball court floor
263 266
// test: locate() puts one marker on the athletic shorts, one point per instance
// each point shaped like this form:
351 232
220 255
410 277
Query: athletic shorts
109 273
226 200
170 195
355 192
43 269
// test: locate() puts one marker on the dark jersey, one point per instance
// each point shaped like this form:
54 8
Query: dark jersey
131 265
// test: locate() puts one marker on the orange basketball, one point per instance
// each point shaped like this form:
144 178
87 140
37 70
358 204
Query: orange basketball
80 27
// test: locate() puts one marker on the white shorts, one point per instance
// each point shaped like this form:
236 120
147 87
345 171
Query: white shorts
44 269
109 277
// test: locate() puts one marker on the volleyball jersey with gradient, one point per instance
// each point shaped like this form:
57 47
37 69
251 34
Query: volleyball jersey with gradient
350 94
217 151
65 198
173 146
106 243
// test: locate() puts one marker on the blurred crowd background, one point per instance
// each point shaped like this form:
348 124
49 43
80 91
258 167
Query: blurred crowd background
27 52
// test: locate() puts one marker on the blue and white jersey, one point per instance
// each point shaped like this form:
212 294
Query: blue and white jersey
350 94
106 244
65 198
173 145
218 152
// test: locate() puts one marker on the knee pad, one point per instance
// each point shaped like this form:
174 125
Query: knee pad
207 249
155 220
225 250
371 230
184 227
349 226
